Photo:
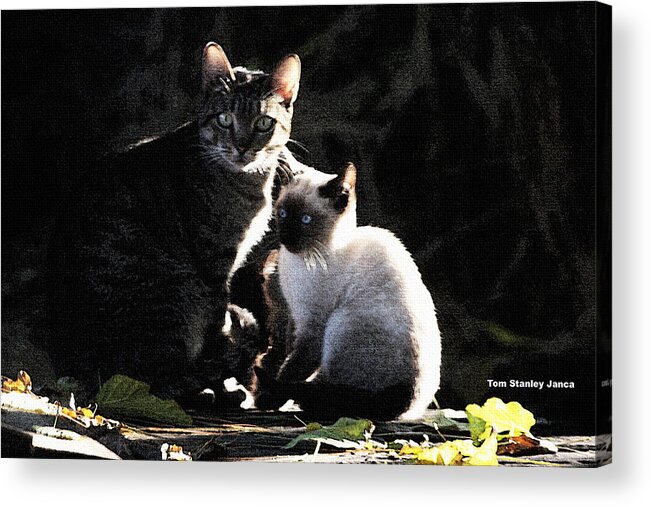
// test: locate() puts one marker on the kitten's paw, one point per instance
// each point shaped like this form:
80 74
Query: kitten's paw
215 399
268 393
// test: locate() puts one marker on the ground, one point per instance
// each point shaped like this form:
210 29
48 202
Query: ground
250 435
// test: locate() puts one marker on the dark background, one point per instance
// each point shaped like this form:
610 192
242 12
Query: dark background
473 128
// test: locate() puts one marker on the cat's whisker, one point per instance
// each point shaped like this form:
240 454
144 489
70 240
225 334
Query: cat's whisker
320 258
310 261
299 144
210 155
204 149
324 248
225 84
285 174
206 156
210 160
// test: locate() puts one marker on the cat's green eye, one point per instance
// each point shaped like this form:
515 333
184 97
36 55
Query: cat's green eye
225 120
263 123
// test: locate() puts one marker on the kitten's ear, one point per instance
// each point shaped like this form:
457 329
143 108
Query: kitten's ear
215 66
349 176
340 188
285 79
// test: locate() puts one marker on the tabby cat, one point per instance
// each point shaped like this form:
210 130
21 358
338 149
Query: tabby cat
146 245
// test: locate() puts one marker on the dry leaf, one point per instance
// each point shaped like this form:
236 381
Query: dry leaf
523 445
22 384
173 452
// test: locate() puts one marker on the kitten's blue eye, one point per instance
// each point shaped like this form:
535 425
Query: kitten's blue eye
306 219
282 213
225 120
263 123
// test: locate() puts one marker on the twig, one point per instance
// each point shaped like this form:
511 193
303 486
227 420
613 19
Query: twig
530 461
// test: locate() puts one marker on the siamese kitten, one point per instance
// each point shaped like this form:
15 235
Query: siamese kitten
365 336
146 245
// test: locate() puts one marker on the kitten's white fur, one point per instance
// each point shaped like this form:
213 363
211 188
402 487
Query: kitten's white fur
369 315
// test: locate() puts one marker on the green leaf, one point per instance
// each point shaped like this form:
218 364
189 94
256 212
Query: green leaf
477 425
444 423
345 433
123 397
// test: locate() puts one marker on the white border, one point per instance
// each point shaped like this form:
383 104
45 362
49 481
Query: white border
627 481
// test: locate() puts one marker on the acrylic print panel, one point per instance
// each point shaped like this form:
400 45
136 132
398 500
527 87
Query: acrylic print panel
186 245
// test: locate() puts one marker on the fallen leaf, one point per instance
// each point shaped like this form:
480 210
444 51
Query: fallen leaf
428 456
453 452
510 418
449 454
523 445
479 428
486 455
125 398
345 433
85 417
442 421
173 452
22 384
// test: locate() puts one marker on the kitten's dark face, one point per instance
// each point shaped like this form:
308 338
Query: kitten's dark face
309 209
304 224
246 116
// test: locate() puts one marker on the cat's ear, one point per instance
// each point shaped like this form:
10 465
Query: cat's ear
215 67
349 177
340 189
285 79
